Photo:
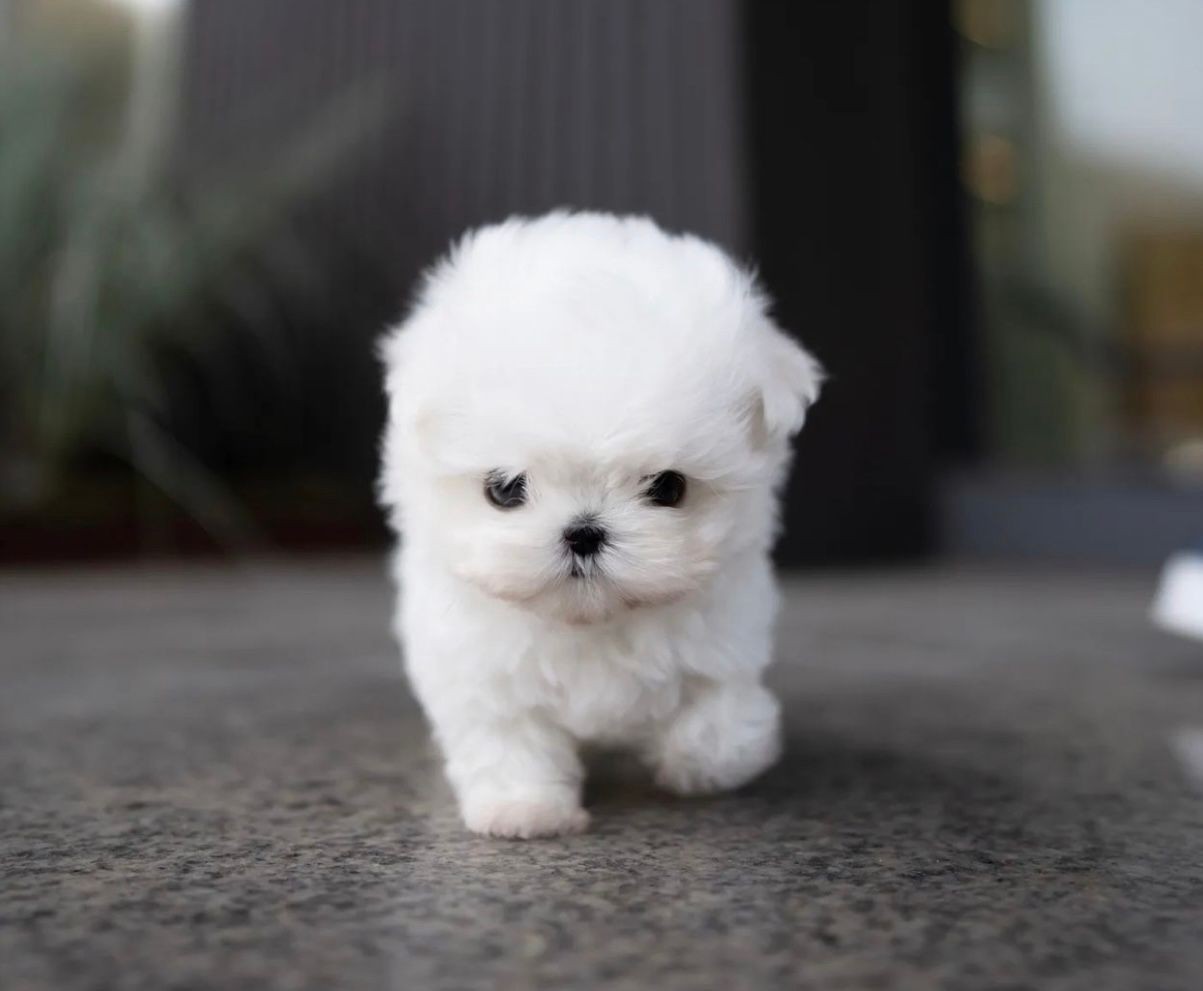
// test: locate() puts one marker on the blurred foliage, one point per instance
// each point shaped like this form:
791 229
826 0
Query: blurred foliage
110 275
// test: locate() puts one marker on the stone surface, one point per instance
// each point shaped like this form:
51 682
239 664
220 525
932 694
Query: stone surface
213 778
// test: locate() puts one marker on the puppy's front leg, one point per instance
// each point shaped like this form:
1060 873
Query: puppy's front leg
724 735
516 776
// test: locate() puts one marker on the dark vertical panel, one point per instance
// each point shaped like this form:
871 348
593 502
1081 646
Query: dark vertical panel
498 108
957 408
846 207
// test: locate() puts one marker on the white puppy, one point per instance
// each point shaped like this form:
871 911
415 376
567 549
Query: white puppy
588 420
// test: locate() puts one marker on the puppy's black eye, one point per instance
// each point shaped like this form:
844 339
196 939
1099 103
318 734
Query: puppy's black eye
666 489
504 491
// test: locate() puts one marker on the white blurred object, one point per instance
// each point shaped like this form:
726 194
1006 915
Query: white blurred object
154 84
1179 603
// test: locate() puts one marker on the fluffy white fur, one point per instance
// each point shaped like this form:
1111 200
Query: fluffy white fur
588 352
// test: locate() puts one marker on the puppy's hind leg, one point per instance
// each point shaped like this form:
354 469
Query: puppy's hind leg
723 736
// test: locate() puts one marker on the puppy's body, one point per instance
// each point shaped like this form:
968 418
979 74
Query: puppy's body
588 420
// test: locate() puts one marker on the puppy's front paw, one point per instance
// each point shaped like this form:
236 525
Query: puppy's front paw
525 816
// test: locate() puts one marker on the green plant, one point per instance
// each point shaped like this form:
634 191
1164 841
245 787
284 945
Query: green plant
108 272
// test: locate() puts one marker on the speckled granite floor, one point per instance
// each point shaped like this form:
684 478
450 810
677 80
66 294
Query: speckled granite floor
213 779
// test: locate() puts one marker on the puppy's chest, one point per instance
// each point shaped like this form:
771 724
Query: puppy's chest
605 690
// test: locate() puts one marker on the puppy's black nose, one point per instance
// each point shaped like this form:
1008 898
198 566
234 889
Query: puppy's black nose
584 540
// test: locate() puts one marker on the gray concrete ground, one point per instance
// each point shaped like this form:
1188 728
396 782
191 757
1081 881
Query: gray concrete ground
213 778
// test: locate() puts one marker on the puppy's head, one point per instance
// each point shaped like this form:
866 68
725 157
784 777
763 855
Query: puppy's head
588 416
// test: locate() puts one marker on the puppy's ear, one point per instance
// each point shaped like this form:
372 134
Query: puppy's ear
788 383
412 421
449 440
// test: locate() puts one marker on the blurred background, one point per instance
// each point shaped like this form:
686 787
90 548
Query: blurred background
985 217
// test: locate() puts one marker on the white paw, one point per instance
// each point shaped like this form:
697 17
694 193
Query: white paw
685 777
689 776
721 742
525 817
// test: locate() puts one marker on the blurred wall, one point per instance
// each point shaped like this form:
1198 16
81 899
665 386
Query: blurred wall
499 108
